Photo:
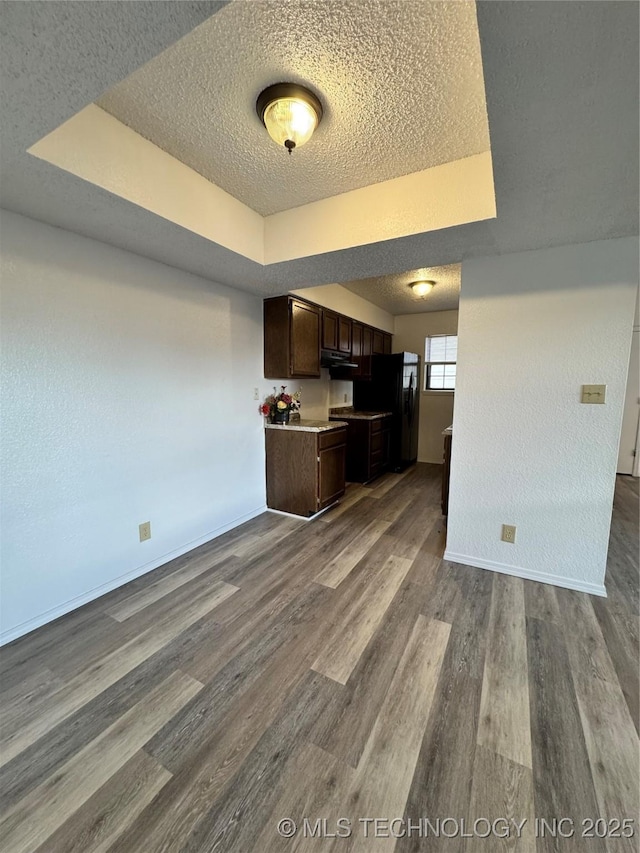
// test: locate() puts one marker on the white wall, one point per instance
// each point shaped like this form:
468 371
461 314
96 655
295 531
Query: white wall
317 395
127 397
440 197
436 407
533 327
627 461
339 299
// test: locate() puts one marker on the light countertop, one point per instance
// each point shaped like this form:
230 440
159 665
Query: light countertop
303 425
360 416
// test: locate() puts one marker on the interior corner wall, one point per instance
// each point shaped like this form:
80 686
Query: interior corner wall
127 397
533 327
436 407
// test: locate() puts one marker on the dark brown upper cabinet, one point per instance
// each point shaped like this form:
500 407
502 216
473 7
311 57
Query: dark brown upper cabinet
291 338
365 355
367 340
296 330
356 348
329 330
344 335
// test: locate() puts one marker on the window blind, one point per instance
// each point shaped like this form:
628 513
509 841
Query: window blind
441 348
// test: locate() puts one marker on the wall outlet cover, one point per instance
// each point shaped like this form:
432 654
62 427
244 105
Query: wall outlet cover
509 533
593 393
145 531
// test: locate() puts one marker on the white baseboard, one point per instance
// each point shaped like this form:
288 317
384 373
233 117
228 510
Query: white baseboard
527 574
303 517
73 603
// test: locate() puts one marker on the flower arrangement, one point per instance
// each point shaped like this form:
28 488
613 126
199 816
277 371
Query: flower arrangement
277 407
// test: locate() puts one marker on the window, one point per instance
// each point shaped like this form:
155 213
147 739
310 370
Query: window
440 355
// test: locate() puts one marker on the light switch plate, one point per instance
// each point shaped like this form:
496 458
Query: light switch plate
594 393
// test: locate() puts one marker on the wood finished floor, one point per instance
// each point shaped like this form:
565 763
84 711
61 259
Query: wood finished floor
332 669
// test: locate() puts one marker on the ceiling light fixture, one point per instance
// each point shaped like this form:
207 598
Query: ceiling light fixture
290 113
422 288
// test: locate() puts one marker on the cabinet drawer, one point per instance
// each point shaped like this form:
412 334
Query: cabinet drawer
331 439
376 426
376 443
375 463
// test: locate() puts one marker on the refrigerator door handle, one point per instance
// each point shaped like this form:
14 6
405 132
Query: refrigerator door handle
409 402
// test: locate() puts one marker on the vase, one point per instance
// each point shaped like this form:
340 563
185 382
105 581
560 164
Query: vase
281 416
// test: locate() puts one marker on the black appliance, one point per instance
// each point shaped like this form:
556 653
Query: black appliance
330 358
394 388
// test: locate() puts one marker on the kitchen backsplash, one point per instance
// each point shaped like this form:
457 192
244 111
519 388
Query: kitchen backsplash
317 395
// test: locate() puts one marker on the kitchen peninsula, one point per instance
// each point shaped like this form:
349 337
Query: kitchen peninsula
305 462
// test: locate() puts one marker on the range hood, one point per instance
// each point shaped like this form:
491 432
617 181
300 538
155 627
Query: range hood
330 358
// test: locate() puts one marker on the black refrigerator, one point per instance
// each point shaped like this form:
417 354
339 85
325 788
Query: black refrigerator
394 387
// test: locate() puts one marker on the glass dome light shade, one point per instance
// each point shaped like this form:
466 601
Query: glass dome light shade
290 118
290 113
421 288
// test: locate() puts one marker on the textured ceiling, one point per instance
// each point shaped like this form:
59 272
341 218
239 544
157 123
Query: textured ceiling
393 293
400 82
561 82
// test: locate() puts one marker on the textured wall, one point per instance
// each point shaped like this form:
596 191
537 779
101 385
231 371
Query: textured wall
436 407
317 396
128 397
533 327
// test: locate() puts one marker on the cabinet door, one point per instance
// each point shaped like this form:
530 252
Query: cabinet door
365 358
356 348
304 339
375 448
386 442
378 342
331 473
329 330
356 339
367 340
344 335
386 344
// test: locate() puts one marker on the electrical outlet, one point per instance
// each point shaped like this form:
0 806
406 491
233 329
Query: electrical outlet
256 393
145 531
509 533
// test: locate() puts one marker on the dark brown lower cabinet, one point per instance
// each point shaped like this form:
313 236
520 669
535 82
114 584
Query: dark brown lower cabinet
368 448
305 470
